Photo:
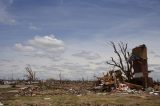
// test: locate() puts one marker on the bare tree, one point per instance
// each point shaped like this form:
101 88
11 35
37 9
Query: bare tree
31 75
121 50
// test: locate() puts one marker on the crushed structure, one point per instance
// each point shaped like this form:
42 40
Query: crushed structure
110 81
29 90
115 80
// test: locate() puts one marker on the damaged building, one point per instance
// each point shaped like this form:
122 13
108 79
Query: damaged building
114 79
140 66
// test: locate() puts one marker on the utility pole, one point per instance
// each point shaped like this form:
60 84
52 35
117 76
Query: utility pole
12 76
60 77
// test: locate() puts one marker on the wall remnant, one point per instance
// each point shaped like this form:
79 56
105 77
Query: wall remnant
140 66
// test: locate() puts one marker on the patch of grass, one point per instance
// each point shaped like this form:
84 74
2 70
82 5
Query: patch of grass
87 100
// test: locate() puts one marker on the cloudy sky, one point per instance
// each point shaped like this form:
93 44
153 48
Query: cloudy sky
71 36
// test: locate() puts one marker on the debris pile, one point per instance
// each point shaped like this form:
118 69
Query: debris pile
1 104
152 91
114 81
29 91
110 81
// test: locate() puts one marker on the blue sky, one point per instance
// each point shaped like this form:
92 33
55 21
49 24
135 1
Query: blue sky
60 35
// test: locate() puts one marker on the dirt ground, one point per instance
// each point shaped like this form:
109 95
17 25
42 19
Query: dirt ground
76 95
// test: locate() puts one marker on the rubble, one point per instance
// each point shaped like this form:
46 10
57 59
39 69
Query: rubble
47 98
1 104
28 91
110 81
123 87
114 81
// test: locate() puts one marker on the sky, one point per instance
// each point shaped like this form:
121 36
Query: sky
72 37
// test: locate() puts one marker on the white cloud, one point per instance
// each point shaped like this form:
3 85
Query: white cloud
21 47
5 16
33 27
87 55
42 46
49 43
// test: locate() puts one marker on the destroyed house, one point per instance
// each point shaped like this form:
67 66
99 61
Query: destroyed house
140 66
